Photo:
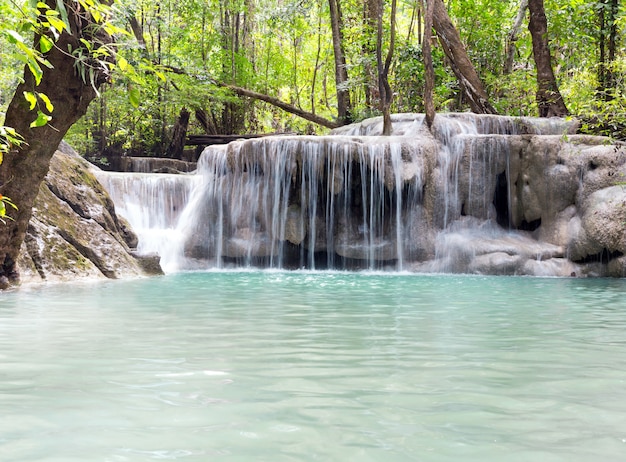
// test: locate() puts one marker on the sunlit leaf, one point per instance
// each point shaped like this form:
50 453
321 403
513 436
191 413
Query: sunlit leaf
45 44
122 63
46 101
31 98
41 120
134 96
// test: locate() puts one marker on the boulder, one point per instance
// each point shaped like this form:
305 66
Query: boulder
74 231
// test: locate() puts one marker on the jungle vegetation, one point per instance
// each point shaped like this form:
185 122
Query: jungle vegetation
135 77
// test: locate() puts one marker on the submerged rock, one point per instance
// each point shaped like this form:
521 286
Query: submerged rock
74 231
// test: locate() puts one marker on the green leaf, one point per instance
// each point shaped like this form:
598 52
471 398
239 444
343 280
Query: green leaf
63 11
134 96
41 120
45 44
31 98
43 97
122 63
14 37
35 70
57 23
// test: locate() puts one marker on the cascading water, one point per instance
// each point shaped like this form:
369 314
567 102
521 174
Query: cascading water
303 202
447 201
152 204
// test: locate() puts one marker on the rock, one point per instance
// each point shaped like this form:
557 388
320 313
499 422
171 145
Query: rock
74 231
604 218
481 194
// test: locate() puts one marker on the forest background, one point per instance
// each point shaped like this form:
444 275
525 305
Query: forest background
164 69
190 63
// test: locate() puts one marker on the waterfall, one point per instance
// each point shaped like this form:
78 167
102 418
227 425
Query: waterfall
450 200
151 203
302 202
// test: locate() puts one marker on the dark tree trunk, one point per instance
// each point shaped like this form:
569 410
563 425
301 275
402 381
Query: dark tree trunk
462 67
429 84
607 44
549 99
208 124
179 133
344 107
24 168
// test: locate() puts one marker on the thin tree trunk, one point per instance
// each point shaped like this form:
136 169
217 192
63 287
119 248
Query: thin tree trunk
368 47
462 67
607 43
344 107
24 168
549 99
284 106
429 83
386 95
317 59
513 36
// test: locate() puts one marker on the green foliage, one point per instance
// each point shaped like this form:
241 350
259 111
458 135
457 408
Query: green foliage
5 203
283 48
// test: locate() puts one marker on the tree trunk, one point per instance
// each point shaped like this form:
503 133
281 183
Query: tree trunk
344 107
24 168
549 99
607 44
513 35
370 35
459 61
386 96
284 106
429 84
177 144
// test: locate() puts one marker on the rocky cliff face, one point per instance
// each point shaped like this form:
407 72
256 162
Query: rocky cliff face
75 232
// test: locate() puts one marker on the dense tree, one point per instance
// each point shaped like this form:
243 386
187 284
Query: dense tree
75 51
249 65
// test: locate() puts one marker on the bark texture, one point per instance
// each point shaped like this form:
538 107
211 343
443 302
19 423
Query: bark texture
179 134
344 107
429 81
386 95
24 168
513 36
549 99
462 67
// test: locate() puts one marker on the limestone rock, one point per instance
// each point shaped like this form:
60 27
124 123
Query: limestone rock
74 231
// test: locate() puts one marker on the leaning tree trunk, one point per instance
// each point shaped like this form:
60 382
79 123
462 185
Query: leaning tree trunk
24 168
549 99
459 61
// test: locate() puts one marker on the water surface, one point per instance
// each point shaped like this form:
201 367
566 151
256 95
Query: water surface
300 366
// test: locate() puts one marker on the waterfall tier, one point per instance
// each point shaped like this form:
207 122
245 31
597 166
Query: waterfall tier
484 194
